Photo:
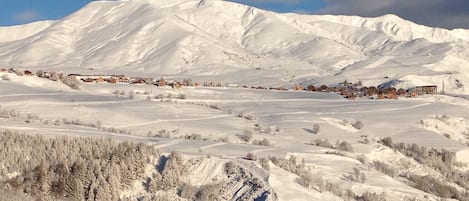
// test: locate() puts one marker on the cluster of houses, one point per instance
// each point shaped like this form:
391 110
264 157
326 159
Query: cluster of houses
161 82
354 90
13 71
346 89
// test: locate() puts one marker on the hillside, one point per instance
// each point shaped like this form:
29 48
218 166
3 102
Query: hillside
210 38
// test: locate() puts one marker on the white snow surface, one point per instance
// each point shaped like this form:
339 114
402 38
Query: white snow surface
284 118
238 43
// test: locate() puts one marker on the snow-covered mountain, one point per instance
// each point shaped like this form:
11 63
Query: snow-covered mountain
240 44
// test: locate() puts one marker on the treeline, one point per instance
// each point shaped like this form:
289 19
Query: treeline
72 168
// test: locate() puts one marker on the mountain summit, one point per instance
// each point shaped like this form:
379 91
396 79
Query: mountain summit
241 43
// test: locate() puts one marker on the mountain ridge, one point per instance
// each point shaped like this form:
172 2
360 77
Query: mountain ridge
226 39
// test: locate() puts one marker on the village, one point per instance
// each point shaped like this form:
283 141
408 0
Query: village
346 89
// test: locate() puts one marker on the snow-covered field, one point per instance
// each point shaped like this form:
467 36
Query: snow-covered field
308 145
214 118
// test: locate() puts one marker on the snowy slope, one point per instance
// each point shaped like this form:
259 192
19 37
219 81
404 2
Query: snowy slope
213 37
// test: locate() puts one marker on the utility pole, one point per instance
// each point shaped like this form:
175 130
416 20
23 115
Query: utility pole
443 90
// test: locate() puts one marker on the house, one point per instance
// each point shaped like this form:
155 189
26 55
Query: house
389 93
27 73
100 80
112 80
310 88
161 82
422 90
177 85
3 70
324 88
371 91
401 92
87 80
297 87
138 81
123 80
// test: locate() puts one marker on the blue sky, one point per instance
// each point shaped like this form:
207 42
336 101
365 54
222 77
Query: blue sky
440 13
14 12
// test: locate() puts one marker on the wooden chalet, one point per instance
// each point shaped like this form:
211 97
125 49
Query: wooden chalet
422 90
27 73
137 81
100 80
161 82
297 87
123 80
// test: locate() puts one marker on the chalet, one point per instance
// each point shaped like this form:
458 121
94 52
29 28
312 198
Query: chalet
401 92
324 88
87 80
123 80
176 85
297 87
389 93
422 90
137 81
27 73
3 70
161 82
310 88
371 91
100 80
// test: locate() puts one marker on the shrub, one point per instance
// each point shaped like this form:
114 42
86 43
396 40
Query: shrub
208 192
358 125
264 163
367 196
188 191
434 186
344 146
358 176
322 143
315 129
264 142
72 82
246 136
251 156
305 179
231 168
386 142
385 168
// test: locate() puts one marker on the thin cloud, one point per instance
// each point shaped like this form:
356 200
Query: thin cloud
27 16
440 13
